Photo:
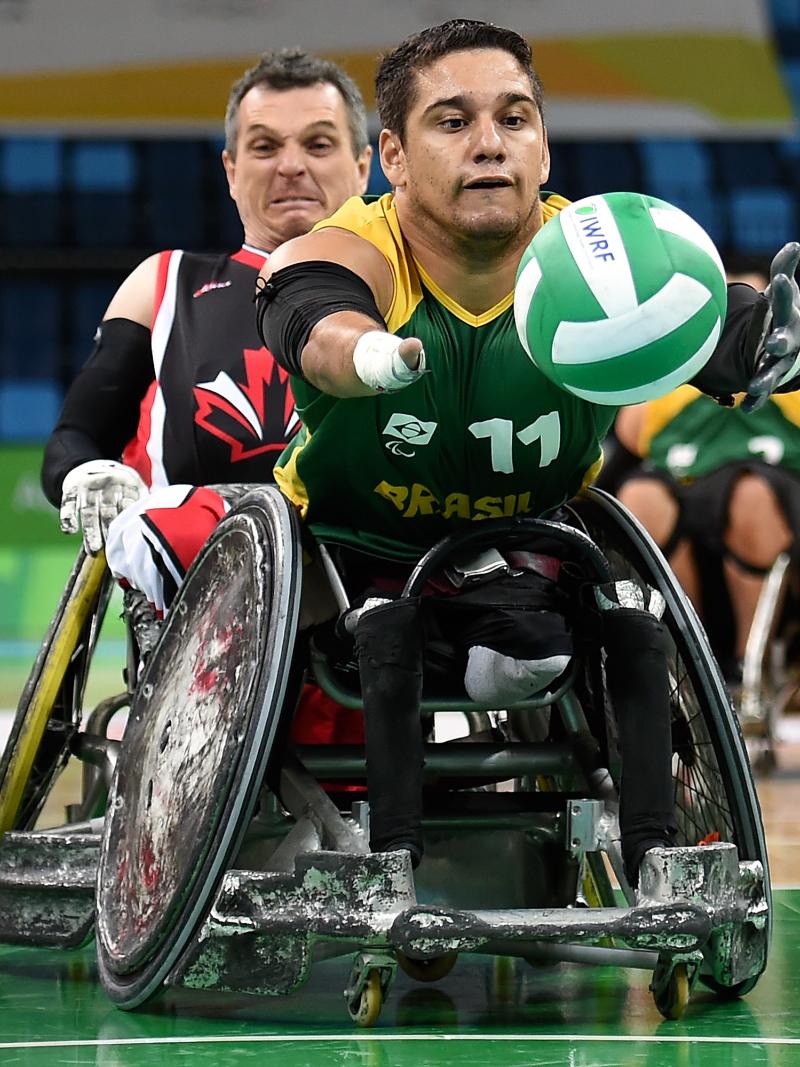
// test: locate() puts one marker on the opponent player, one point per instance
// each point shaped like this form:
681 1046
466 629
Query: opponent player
177 354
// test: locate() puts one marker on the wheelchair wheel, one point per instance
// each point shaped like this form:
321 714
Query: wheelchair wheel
715 797
201 729
766 686
49 710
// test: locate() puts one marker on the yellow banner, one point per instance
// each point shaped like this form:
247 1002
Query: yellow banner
626 69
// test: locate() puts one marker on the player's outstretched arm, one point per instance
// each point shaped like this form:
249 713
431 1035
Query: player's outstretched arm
320 310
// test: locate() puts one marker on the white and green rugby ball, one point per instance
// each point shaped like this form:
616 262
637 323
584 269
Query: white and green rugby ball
620 298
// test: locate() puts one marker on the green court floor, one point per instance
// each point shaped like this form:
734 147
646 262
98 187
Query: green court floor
486 1012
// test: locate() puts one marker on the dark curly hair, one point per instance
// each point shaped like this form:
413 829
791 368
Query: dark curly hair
395 86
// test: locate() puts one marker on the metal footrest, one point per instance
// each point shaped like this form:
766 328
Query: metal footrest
733 893
47 888
425 932
263 928
688 898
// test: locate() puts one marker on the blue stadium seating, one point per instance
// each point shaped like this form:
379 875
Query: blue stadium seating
30 315
681 173
785 14
28 410
789 150
377 179
103 176
30 182
709 210
226 229
103 167
86 306
668 166
791 76
31 164
747 163
762 220
174 208
562 168
605 167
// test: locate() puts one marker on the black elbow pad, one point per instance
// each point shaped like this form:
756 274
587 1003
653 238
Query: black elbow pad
297 297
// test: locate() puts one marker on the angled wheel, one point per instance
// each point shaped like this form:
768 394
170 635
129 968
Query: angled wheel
49 710
715 797
202 725
366 1008
765 682
671 990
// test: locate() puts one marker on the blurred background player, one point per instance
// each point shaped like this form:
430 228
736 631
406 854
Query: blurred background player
178 384
719 490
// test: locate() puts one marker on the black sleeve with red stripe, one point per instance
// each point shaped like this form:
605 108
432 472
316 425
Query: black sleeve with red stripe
101 409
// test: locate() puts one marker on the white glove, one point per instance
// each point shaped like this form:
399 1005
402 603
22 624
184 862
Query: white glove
92 496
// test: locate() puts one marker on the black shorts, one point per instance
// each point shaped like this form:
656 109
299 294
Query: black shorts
526 615
704 502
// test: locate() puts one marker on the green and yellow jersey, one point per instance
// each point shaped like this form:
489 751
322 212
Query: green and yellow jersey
484 435
687 434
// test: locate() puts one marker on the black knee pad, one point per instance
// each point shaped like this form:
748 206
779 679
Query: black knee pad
748 568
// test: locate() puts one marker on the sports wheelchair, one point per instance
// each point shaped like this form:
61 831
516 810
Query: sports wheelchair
228 858
771 666
770 670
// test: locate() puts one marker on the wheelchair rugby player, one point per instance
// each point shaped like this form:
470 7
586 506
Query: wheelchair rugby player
396 322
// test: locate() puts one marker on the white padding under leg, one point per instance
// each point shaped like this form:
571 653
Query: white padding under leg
492 678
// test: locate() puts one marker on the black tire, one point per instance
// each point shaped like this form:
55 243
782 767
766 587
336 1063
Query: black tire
198 741
49 709
714 789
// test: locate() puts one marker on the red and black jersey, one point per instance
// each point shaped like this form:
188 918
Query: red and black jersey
219 408
197 400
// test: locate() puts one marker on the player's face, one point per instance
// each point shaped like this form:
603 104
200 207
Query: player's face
294 162
474 154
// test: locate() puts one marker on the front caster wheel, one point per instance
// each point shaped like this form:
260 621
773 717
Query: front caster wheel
671 994
365 1008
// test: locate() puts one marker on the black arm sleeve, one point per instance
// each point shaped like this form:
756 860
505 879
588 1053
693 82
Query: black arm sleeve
101 408
297 297
732 362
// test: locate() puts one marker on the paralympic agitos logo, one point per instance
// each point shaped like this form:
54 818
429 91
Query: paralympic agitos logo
408 433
